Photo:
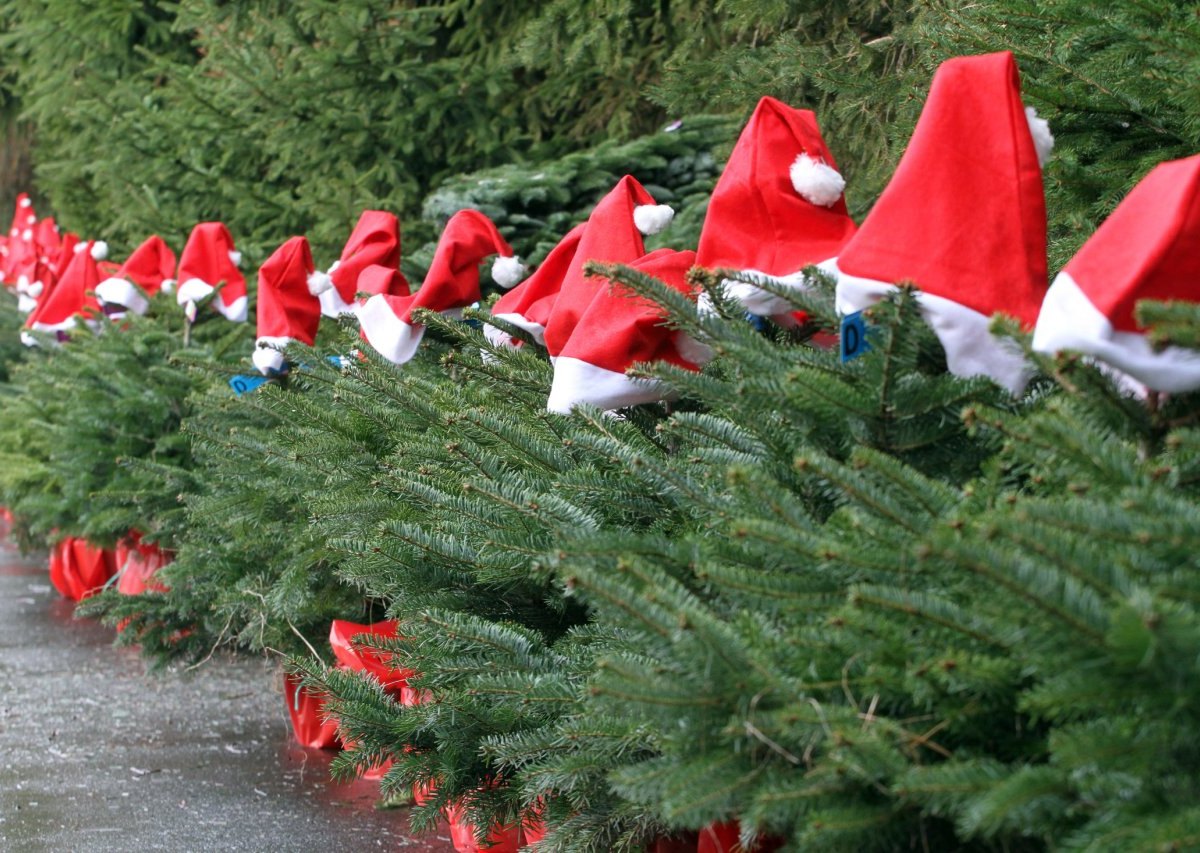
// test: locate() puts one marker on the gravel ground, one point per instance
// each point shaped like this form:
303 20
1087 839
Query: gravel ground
95 755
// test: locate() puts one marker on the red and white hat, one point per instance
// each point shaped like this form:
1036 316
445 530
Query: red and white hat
616 331
23 219
451 284
1148 248
287 310
71 297
964 218
208 259
378 279
48 238
778 207
375 241
613 235
529 305
144 273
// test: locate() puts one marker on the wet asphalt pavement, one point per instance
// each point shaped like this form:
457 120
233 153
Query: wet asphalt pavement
95 755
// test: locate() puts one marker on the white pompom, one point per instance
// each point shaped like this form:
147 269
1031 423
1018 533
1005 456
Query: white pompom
26 203
506 272
167 286
1043 139
817 182
99 250
28 339
79 247
235 257
652 218
35 289
319 282
335 265
27 234
31 219
14 232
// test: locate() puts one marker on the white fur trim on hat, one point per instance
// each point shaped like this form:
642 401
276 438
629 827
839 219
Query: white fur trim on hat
35 289
691 349
192 290
816 182
1043 139
118 291
577 382
235 257
507 271
99 250
28 339
332 304
971 350
500 338
26 304
1069 321
267 356
319 282
168 285
236 311
391 337
652 218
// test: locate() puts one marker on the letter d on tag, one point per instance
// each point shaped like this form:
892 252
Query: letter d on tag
853 336
244 384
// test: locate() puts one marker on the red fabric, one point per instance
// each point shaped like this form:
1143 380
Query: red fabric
78 569
206 257
286 308
379 278
73 295
375 241
1148 248
756 219
684 843
723 838
6 521
502 839
964 216
619 329
308 724
150 265
453 278
23 216
610 237
362 659
66 254
137 563
534 298
47 237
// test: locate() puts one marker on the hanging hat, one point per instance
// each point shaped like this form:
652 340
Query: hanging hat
71 297
452 283
375 241
529 304
964 218
616 331
1146 249
208 259
144 273
287 311
613 235
778 206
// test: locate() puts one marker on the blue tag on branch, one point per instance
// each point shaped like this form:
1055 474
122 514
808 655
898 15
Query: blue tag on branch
853 336
245 384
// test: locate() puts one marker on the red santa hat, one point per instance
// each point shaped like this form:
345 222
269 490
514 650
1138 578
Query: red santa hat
208 259
1148 248
375 241
23 219
778 207
616 331
71 297
529 305
144 273
613 235
47 236
287 311
452 284
964 218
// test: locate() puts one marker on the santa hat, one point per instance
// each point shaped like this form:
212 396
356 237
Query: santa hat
452 283
208 259
613 235
144 273
23 219
47 236
375 241
287 311
964 218
70 297
616 331
1146 249
529 305
778 207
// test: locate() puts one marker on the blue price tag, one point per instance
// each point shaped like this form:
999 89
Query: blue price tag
338 361
853 336
245 384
